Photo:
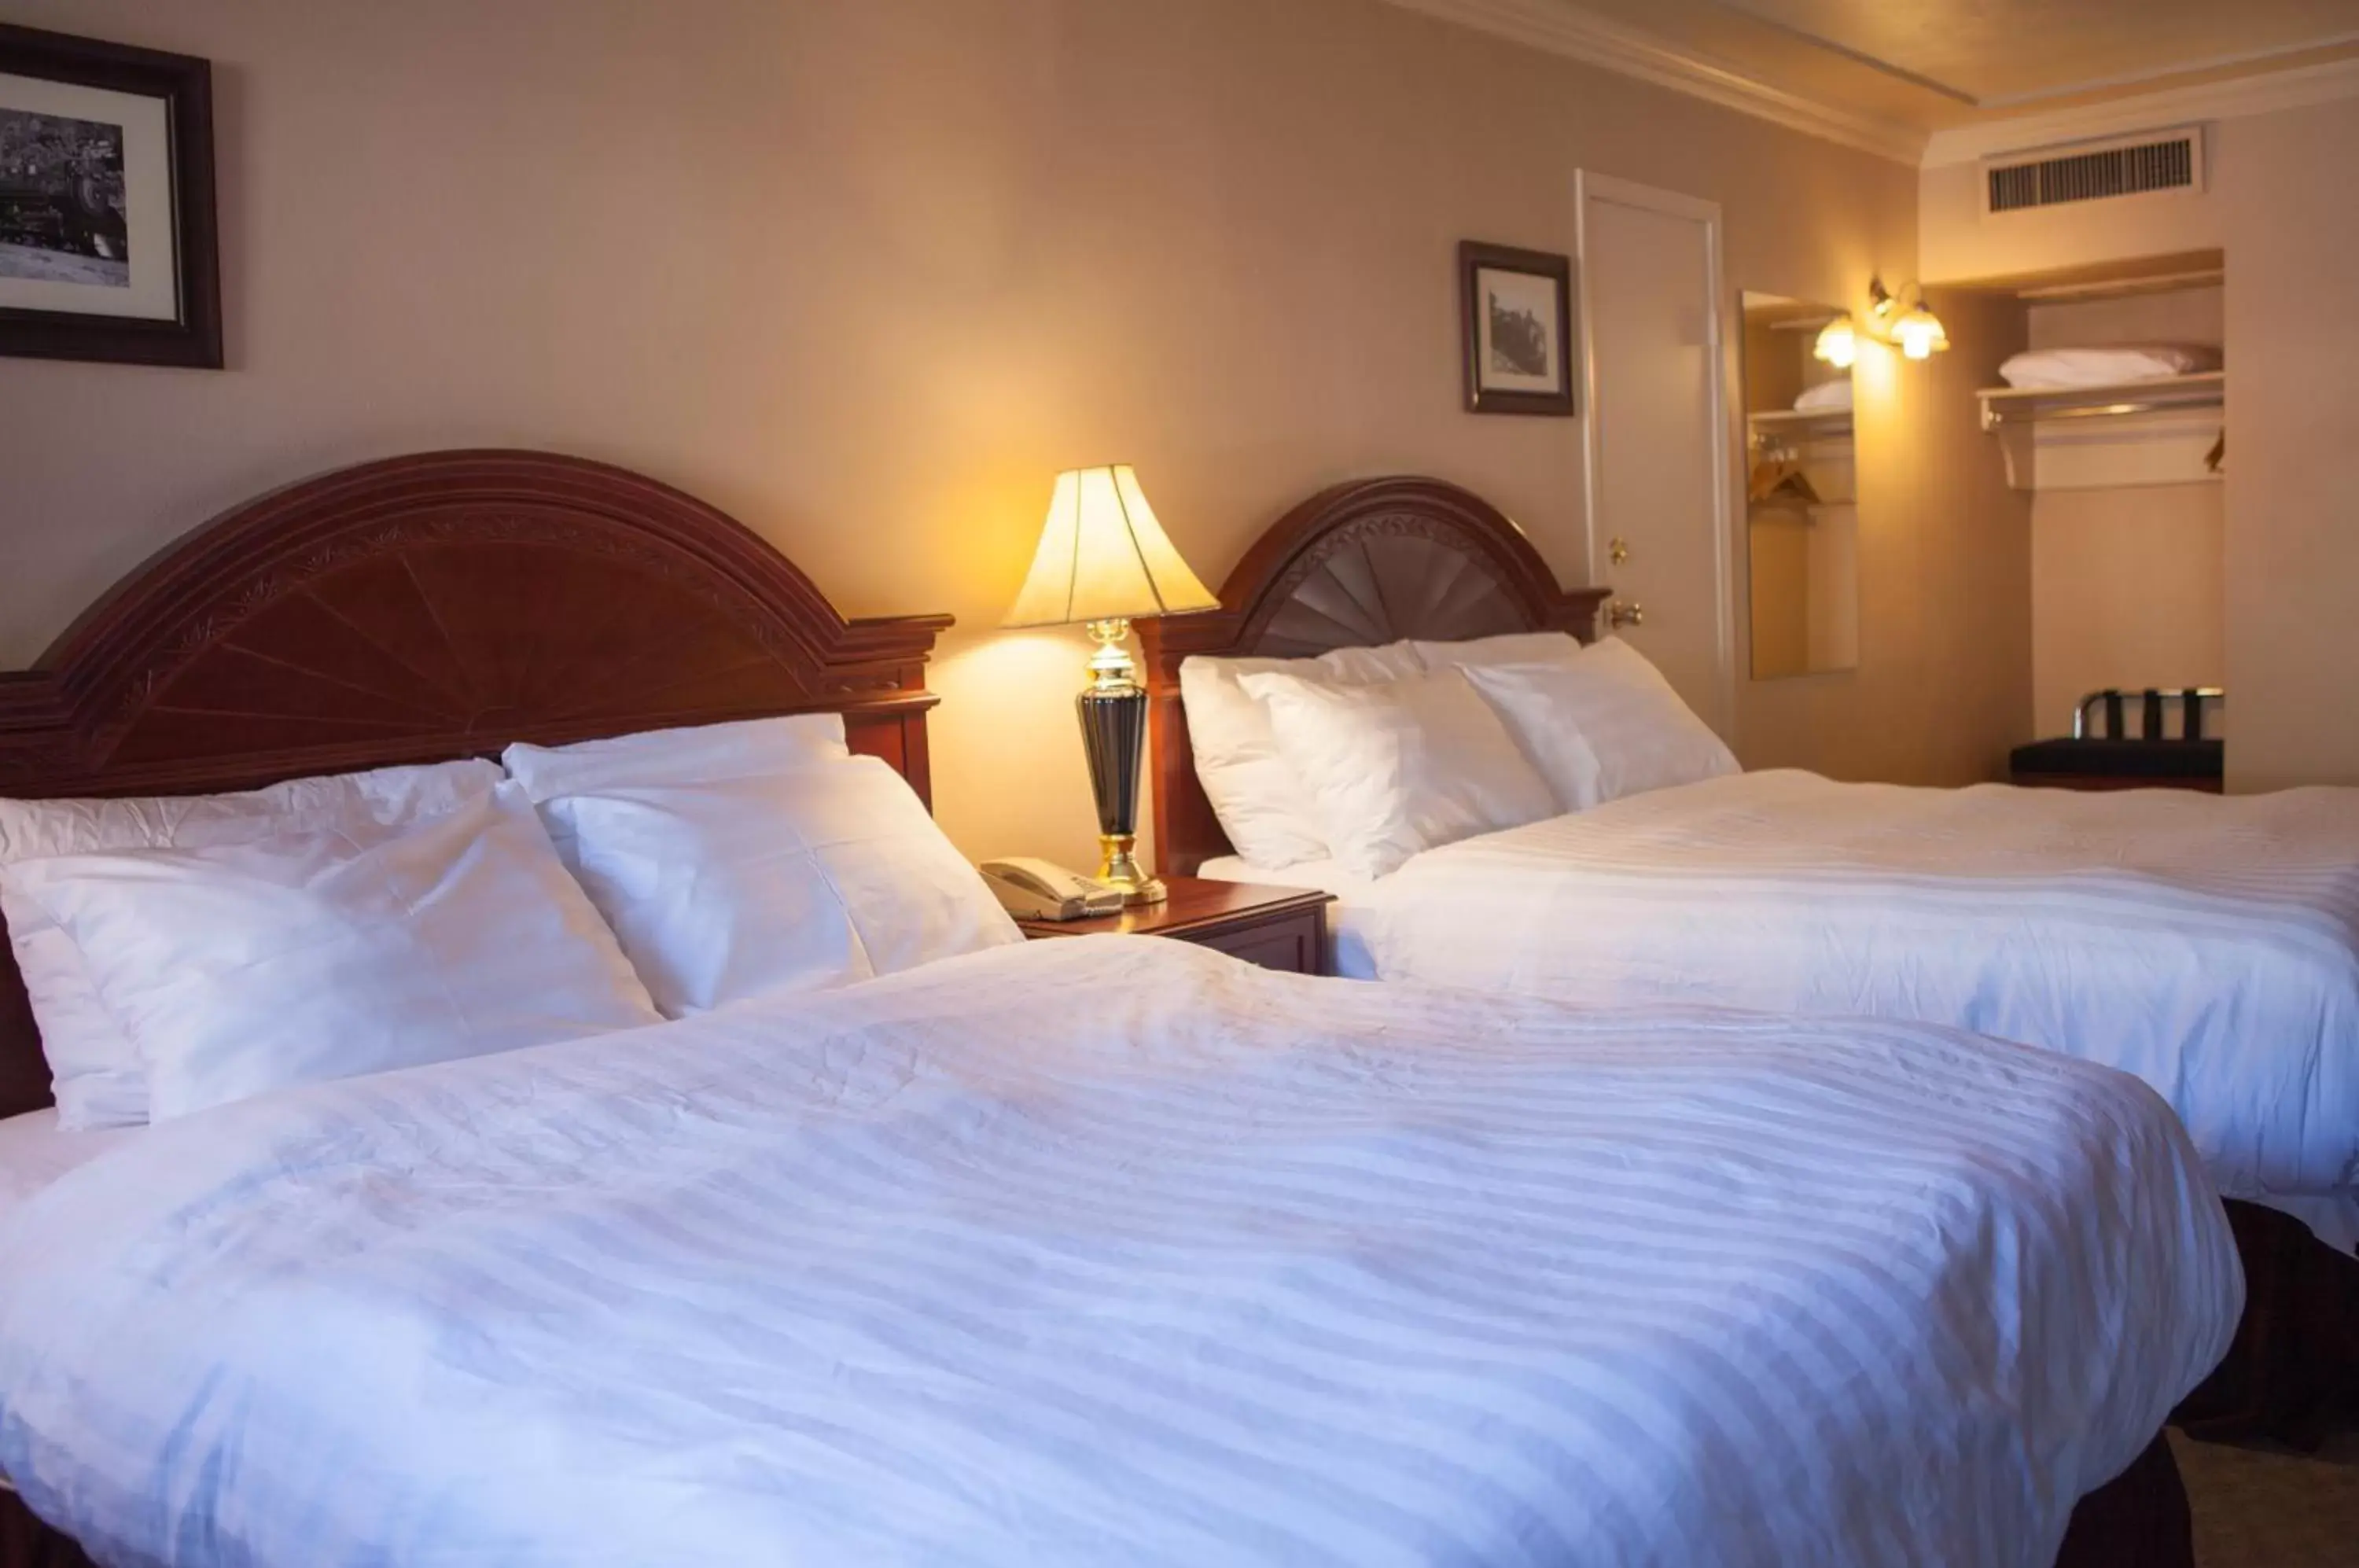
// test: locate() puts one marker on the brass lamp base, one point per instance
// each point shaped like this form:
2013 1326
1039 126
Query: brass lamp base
1116 867
1112 710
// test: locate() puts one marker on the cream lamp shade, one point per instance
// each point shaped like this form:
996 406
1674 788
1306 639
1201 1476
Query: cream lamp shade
1104 557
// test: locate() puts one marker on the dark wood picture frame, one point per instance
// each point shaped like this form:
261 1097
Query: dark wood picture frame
1475 258
184 84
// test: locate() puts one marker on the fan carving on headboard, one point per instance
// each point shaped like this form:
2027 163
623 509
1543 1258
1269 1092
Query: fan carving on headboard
1364 563
1380 578
429 607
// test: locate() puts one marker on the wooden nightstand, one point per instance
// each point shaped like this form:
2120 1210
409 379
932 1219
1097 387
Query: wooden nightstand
1278 928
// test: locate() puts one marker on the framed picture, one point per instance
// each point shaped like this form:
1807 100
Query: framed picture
1519 308
108 247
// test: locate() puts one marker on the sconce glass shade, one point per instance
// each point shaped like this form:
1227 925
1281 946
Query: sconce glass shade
1838 344
1921 334
1104 557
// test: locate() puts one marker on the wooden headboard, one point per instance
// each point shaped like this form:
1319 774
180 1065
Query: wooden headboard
1362 564
431 607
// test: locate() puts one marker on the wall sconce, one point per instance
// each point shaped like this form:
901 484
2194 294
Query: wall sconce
1914 330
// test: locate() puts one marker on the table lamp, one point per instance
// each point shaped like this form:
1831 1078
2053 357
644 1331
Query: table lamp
1103 562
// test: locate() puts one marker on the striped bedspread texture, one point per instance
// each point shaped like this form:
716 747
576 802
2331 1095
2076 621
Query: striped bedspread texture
1122 1251
2210 946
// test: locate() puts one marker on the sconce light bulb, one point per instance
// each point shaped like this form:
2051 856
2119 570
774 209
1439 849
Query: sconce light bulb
1838 344
1920 334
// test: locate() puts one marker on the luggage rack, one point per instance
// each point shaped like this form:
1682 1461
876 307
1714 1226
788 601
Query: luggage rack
2152 704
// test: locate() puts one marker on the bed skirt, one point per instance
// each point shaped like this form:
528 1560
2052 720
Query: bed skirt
2136 1520
2292 1374
26 1542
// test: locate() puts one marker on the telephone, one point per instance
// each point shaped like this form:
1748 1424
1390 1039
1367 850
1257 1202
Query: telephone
1034 889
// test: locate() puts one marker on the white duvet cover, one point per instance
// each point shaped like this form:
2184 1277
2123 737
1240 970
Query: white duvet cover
2208 945
1118 1251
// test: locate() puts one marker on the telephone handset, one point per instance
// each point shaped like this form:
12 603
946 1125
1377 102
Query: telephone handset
1034 890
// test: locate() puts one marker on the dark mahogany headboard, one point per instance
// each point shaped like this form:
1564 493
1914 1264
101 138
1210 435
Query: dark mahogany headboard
429 607
1364 563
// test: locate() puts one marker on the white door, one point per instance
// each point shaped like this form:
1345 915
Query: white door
1657 431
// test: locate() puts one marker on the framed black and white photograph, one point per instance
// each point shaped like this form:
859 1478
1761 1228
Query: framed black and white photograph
1519 309
108 247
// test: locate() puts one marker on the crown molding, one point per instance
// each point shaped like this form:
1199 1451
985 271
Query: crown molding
2267 92
1575 34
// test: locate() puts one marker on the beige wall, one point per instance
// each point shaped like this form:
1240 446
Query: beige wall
2278 202
2125 592
866 272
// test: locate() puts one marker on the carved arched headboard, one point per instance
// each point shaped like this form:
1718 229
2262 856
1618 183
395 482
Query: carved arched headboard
429 607
1362 564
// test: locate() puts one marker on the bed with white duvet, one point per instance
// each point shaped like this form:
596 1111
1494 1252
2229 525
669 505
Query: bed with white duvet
1123 1251
2210 947
1527 815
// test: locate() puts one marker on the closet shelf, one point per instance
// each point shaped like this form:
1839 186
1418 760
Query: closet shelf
2003 406
1794 426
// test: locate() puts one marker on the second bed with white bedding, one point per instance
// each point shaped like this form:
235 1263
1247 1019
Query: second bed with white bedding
1118 1250
2210 946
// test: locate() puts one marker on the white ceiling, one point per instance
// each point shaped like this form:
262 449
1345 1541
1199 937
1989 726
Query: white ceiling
1900 71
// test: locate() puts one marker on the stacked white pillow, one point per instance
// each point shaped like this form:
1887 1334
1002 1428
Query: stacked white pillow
1508 648
357 938
1263 803
1397 768
99 1079
182 953
1605 725
1367 756
746 860
2069 369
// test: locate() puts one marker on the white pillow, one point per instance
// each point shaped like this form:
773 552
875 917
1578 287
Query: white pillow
99 1080
1261 801
1400 767
321 953
1603 726
792 879
1508 647
2064 369
749 748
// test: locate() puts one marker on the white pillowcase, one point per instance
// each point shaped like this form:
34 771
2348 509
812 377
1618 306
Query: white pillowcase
1508 648
319 952
1262 803
99 1080
748 749
1603 726
728 877
1401 766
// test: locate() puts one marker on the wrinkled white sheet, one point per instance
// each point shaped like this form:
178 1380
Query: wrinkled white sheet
1120 1251
2208 945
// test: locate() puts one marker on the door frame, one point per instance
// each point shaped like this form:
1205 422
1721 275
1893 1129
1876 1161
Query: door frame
1588 186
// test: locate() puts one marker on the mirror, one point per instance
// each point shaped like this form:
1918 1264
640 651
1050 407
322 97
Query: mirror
1801 522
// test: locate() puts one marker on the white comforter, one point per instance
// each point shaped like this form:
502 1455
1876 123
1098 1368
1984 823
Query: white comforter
1119 1251
2208 945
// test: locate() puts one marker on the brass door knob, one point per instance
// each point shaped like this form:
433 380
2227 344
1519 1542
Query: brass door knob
1618 613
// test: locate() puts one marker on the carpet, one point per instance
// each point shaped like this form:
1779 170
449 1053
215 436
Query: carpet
2260 1507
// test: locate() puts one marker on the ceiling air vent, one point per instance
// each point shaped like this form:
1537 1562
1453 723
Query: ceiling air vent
2094 171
